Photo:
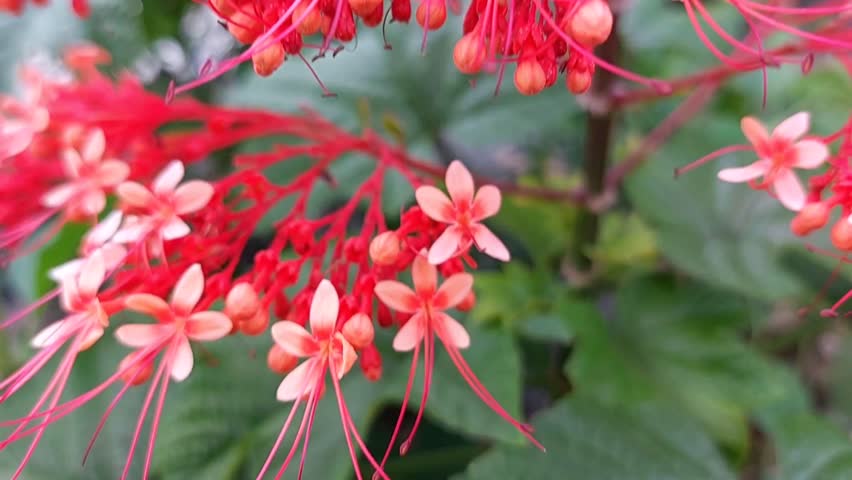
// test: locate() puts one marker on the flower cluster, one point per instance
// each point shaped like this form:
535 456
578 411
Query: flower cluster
16 7
96 152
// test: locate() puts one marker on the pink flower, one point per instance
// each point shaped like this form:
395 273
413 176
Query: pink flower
89 175
19 123
160 208
463 213
427 302
177 323
778 154
97 240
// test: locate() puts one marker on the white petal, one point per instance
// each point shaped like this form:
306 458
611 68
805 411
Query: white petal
169 178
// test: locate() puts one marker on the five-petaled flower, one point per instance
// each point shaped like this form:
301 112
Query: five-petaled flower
778 153
97 240
463 211
177 323
89 175
156 213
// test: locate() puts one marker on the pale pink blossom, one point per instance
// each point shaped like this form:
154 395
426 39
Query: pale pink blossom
324 345
19 123
464 211
778 154
177 323
97 240
79 297
89 176
158 210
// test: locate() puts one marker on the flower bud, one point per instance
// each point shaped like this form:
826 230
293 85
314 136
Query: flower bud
469 53
244 28
401 10
281 305
362 8
468 303
529 77
280 361
374 18
591 23
431 14
134 371
257 324
269 59
812 217
384 249
312 20
242 302
223 8
578 82
371 363
358 330
841 235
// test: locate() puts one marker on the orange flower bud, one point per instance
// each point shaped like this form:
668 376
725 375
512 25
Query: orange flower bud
243 27
469 53
468 303
384 249
432 14
257 324
223 7
841 235
362 8
312 21
134 371
358 330
578 82
812 217
269 59
529 77
591 24
242 302
280 361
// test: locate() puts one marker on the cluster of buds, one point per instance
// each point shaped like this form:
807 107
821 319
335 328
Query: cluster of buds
16 7
170 249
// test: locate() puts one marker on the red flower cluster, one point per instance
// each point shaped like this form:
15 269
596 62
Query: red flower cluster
16 7
170 248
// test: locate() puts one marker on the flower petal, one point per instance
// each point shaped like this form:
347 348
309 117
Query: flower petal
133 231
459 183
192 196
397 296
175 228
92 201
104 230
486 203
488 243
69 297
294 339
188 290
92 275
411 334
114 254
71 163
424 275
183 361
789 190
450 330
343 355
810 153
446 245
137 335
148 304
744 174
453 291
112 172
59 195
299 382
56 331
93 334
66 271
754 131
208 326
93 146
793 127
435 204
168 179
134 194
324 309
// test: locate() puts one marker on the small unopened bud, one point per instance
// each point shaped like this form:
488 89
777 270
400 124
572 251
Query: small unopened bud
841 235
578 81
257 324
812 217
371 363
401 10
134 371
384 249
468 303
242 302
591 24
311 22
279 361
243 27
529 77
469 53
225 8
374 18
269 59
362 8
431 14
358 330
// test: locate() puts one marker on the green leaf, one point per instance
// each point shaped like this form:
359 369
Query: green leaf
809 448
588 440
683 345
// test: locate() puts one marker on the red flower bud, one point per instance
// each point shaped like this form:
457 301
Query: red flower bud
241 303
469 53
280 361
257 324
358 330
812 217
363 8
591 23
311 22
578 82
269 59
468 303
244 28
137 372
431 14
529 77
371 363
401 10
384 249
841 235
